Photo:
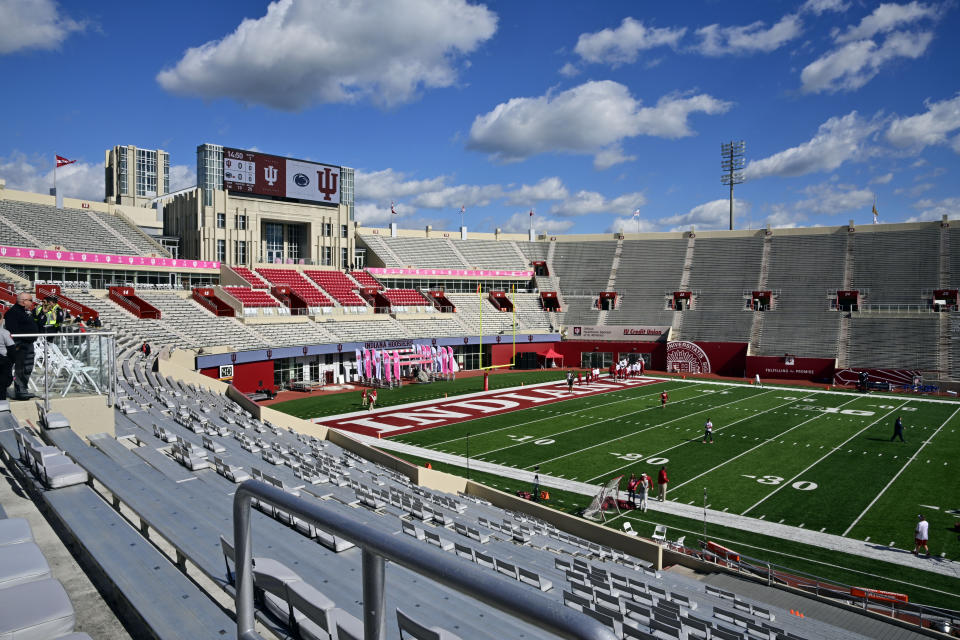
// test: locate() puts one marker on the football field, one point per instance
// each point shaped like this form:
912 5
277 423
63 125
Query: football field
818 460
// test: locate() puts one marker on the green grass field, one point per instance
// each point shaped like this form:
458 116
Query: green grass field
809 459
333 404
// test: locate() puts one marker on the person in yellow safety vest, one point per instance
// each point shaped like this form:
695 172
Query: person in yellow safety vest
52 315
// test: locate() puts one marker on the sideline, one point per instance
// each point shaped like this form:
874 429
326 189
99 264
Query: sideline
901 557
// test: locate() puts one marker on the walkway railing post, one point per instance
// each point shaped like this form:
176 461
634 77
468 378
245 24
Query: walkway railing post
374 608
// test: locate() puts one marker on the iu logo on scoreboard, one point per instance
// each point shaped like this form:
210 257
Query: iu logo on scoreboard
270 174
327 183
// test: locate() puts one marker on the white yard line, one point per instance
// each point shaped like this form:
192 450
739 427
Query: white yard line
523 424
718 430
902 469
599 444
587 426
823 457
765 441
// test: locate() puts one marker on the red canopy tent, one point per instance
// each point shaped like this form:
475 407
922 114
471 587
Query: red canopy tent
552 355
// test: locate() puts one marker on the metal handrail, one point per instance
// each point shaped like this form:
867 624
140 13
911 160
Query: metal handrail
822 587
377 547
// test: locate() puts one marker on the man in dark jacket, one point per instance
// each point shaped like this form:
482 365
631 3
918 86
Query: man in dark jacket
19 321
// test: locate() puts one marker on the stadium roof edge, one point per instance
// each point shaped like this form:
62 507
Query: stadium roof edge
659 235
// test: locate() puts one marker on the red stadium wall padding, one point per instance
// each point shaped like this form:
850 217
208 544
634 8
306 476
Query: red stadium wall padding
726 358
247 376
775 368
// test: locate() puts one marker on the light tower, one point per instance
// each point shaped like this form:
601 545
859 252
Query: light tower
732 163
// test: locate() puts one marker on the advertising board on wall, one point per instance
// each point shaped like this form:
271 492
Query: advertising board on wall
627 333
267 175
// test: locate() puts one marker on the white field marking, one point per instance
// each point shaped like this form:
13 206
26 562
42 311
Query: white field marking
523 424
743 545
599 444
582 426
825 456
766 441
809 390
717 430
902 469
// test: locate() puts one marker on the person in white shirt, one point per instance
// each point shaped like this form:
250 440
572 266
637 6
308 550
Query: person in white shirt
708 431
921 535
756 381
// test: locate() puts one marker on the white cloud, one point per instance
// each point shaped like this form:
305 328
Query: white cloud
935 209
306 52
569 70
916 190
830 199
588 118
37 24
928 128
856 63
709 215
455 196
821 6
369 214
783 217
718 41
886 18
884 179
631 225
520 223
389 185
838 140
612 155
182 176
78 180
589 202
546 189
621 45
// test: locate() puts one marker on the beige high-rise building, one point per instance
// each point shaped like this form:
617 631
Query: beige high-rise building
136 176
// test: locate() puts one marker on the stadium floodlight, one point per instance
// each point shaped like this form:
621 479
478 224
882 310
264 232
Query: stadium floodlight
732 162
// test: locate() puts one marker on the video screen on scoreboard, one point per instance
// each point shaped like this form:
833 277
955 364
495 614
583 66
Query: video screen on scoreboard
267 175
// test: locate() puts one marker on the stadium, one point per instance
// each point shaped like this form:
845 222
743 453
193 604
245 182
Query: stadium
483 479
479 320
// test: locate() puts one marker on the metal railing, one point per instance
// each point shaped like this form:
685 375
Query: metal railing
871 600
377 547
74 363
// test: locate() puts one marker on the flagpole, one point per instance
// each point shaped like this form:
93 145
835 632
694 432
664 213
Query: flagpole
514 325
480 296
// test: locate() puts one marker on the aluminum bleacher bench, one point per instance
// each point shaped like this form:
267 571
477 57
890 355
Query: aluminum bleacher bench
34 610
421 632
166 600
20 563
14 530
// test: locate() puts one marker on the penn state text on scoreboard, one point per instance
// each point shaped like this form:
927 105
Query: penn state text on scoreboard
267 175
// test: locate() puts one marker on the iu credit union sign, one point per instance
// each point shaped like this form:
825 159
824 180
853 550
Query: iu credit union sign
267 175
621 333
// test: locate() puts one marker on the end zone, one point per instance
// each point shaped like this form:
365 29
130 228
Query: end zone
396 421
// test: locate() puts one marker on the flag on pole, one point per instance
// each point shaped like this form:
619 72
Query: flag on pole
636 213
61 161
478 288
393 208
876 215
531 213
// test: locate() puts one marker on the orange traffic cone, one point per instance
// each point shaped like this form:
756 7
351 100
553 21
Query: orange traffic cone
429 466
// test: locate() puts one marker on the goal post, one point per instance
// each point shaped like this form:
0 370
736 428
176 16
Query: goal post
609 491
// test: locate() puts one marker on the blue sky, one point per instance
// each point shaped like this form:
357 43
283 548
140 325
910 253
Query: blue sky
583 113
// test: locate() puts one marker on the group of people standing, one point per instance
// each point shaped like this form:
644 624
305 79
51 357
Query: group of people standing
21 323
623 369
642 485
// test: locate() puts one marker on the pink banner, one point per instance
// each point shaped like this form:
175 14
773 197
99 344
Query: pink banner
457 273
104 259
